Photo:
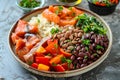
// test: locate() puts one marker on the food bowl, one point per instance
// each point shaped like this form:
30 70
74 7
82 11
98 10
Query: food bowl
102 10
28 16
42 2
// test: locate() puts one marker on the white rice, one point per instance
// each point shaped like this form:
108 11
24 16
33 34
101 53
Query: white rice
43 24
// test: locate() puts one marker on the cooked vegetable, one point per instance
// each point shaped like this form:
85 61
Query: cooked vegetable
59 68
34 65
29 3
42 60
43 67
56 59
41 50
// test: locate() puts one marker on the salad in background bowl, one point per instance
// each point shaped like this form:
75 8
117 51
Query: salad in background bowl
29 5
60 41
103 7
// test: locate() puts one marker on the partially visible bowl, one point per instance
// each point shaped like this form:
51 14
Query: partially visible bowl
42 2
28 16
102 10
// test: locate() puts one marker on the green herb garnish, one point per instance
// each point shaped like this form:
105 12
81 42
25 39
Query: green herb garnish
85 57
89 23
86 42
54 30
29 3
99 47
86 48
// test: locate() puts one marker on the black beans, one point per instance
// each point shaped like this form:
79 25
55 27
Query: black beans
72 57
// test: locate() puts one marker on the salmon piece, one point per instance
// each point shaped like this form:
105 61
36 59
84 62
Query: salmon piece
20 43
33 29
76 11
32 41
65 12
51 16
21 52
14 38
67 22
21 28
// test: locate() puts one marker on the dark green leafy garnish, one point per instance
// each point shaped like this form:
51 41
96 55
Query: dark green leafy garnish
86 42
99 47
29 3
54 30
89 24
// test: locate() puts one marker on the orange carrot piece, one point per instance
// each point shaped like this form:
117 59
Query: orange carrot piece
56 59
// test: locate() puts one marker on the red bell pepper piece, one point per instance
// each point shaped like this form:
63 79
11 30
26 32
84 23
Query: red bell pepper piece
34 65
59 68
42 60
65 53
65 66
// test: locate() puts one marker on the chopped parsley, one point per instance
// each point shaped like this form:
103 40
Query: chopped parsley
86 42
99 47
54 30
89 23
85 57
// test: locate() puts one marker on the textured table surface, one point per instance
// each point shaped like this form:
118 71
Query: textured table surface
10 69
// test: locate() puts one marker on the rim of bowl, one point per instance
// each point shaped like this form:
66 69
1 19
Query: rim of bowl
42 2
66 73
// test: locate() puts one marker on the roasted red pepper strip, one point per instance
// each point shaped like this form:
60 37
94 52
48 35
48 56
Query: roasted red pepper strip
59 68
53 47
42 60
34 65
64 53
